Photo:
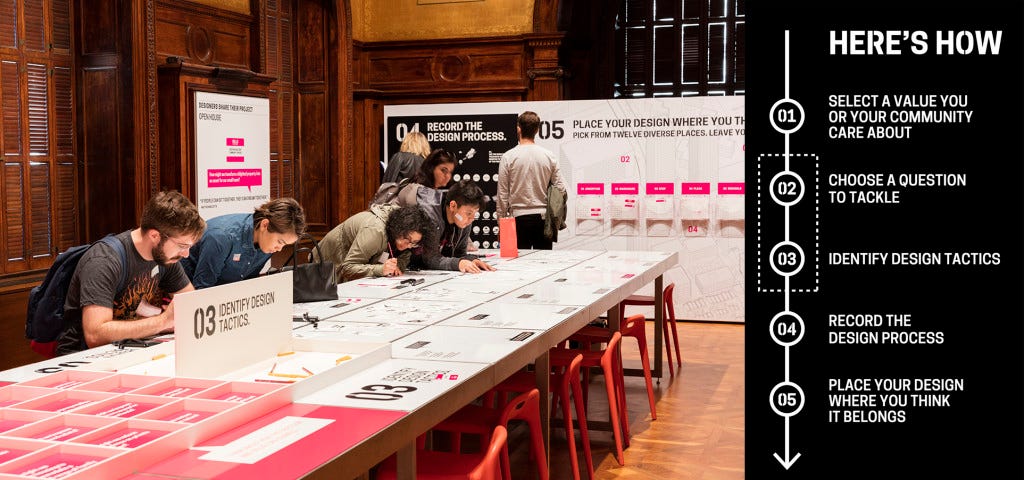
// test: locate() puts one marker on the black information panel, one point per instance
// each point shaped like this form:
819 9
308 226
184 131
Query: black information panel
884 176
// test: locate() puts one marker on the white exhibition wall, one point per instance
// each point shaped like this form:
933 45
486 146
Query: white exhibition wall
643 174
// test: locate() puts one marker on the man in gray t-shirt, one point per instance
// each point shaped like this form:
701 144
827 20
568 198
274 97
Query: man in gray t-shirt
97 314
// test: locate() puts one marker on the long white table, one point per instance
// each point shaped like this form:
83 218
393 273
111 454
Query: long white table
545 294
452 338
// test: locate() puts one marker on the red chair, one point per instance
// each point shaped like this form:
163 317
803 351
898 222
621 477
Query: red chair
563 383
570 380
631 327
611 366
670 317
432 465
476 419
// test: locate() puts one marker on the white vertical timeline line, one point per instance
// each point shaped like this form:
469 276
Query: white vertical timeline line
787 65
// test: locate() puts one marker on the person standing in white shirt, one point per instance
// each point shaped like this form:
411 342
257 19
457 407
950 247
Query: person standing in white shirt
524 174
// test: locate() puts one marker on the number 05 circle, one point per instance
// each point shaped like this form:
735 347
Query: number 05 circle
787 399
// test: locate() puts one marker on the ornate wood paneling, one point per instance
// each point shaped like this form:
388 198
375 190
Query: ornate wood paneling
203 36
103 19
317 137
314 171
99 125
311 63
403 68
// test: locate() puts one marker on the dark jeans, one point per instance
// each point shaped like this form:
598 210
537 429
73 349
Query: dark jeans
530 232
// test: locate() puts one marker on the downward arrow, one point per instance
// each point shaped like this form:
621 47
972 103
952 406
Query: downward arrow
788 462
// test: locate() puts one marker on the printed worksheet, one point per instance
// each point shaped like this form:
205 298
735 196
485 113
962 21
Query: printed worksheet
379 332
513 316
387 287
477 292
461 344
328 308
551 294
406 311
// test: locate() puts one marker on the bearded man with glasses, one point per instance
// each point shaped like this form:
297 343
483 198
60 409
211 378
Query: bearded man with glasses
98 313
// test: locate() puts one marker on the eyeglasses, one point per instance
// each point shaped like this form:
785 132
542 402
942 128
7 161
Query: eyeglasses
409 240
181 246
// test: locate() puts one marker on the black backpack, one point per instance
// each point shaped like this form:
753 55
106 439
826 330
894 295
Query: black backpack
45 319
387 192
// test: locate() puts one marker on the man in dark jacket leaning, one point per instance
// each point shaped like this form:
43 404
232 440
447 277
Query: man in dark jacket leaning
452 214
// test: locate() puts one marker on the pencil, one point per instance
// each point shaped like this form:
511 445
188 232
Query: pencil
342 359
268 380
287 375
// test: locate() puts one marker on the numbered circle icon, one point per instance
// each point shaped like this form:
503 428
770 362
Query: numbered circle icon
787 399
787 188
787 116
787 328
786 258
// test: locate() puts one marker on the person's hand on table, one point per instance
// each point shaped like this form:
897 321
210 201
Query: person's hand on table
391 268
474 266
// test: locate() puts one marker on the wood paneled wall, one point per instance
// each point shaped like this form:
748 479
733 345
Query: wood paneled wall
327 98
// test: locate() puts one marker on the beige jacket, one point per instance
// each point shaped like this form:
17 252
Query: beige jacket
357 245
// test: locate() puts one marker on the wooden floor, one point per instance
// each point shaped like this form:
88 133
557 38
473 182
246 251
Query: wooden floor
699 433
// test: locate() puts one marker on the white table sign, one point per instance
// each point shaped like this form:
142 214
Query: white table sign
396 384
224 328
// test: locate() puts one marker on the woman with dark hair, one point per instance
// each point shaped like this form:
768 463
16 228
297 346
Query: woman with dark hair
236 246
436 170
378 242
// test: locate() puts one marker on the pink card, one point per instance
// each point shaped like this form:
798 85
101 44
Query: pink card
237 397
58 466
187 416
177 391
10 454
64 405
125 409
63 433
6 425
128 438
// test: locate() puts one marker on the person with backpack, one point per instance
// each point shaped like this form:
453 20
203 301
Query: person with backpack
237 246
406 162
97 312
452 213
377 242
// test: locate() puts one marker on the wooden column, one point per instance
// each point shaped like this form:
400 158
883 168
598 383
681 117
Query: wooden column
543 70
